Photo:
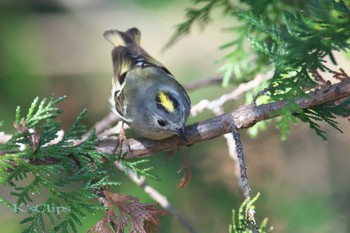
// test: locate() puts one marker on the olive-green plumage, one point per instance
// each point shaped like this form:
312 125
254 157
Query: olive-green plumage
145 94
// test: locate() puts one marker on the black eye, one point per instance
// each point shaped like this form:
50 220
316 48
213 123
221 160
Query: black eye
161 123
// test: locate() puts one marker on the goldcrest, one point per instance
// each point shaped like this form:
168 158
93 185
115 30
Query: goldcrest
145 95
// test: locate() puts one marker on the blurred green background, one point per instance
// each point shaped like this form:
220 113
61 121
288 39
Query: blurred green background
56 47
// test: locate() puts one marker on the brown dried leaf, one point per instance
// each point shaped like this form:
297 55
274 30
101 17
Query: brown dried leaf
34 138
169 154
21 128
152 224
105 224
185 179
101 226
131 210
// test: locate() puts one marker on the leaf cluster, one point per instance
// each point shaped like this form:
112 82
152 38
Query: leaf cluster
63 167
242 222
296 39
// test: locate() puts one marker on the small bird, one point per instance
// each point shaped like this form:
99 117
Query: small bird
145 95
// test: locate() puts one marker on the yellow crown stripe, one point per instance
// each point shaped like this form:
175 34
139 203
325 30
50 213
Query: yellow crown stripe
166 102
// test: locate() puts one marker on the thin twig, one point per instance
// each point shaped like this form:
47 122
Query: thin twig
242 164
242 88
233 139
232 151
244 178
158 197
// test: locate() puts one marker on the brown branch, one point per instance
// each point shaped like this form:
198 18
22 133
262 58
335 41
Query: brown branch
242 117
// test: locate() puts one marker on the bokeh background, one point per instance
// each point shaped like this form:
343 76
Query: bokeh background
56 47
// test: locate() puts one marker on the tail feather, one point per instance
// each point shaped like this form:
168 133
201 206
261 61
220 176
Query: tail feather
118 38
135 34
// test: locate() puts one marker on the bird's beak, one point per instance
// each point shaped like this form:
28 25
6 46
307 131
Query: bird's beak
181 132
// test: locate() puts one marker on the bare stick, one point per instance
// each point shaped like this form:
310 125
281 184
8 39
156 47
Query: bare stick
213 105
